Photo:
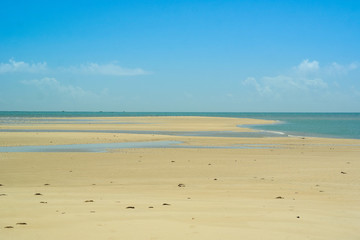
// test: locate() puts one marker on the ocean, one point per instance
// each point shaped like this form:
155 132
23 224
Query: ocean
333 125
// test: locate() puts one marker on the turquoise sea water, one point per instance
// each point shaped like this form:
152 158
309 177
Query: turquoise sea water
337 125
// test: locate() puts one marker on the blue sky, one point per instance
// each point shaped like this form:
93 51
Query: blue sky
236 56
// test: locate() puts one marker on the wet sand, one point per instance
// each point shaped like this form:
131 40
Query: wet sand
304 188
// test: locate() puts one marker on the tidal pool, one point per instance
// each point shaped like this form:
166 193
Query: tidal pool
106 147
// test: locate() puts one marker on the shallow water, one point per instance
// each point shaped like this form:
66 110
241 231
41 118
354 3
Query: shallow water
258 134
106 147
330 125
336 125
30 121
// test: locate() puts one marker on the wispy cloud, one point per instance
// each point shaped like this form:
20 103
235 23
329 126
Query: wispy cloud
338 69
307 76
313 68
55 87
261 89
111 69
14 66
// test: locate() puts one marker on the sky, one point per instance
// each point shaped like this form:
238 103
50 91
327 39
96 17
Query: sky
180 56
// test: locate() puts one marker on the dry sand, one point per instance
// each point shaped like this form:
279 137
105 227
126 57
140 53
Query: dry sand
299 189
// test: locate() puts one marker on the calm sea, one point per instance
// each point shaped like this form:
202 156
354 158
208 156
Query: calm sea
336 125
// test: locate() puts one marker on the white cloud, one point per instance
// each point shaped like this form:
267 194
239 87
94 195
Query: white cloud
14 66
315 83
338 69
308 67
111 69
281 82
353 66
55 86
41 82
262 89
301 79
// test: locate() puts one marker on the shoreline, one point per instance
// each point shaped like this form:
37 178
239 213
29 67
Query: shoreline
137 129
323 125
307 187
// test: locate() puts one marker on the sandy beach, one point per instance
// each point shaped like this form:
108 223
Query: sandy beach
271 188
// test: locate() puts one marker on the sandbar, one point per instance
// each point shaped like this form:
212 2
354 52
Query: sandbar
301 188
